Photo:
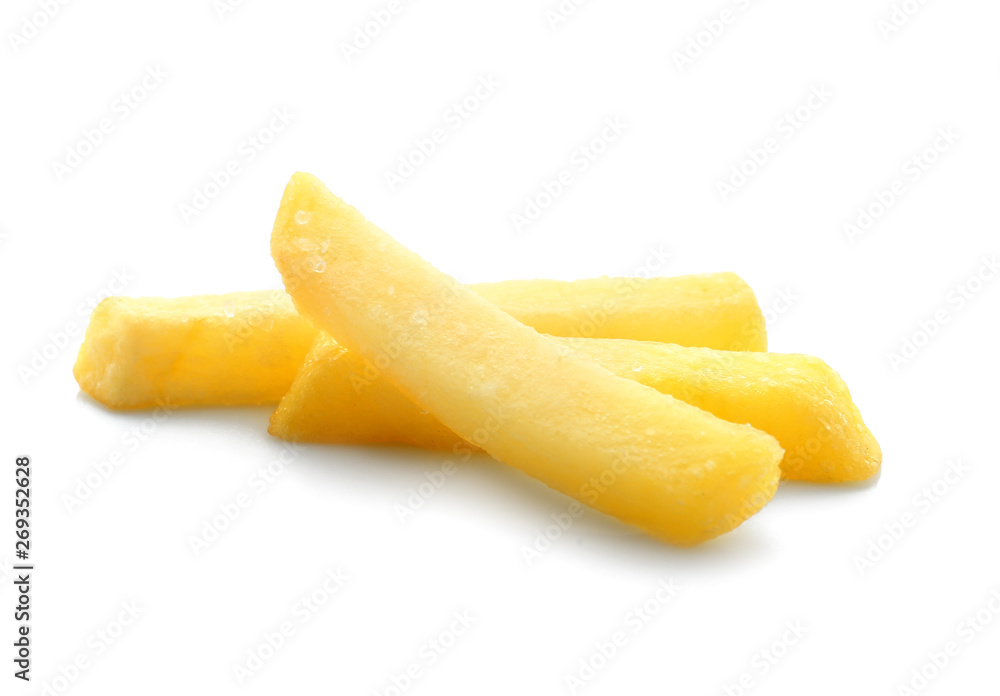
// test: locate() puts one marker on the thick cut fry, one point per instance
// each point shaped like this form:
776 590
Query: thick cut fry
677 472
245 347
712 310
240 348
798 399
338 398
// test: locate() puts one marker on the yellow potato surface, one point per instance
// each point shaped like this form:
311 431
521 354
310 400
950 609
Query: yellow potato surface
798 399
712 310
245 347
675 471
240 348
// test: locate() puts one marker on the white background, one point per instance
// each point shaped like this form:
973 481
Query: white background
653 191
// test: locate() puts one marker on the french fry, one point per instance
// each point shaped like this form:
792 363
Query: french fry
712 310
245 347
799 399
677 472
239 348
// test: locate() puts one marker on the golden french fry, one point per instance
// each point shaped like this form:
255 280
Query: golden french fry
240 348
245 347
799 399
677 472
